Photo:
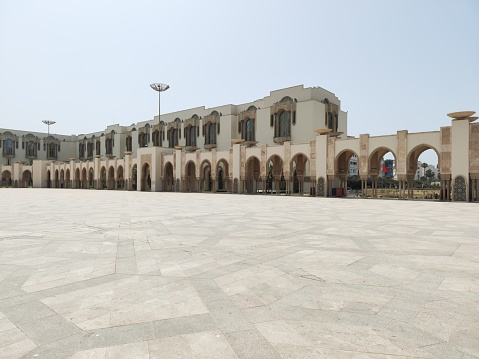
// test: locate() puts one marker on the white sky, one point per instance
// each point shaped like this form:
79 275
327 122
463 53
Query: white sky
86 64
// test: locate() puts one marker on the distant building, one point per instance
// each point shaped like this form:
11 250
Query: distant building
353 166
422 171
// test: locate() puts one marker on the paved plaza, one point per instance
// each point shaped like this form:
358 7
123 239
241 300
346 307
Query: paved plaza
115 274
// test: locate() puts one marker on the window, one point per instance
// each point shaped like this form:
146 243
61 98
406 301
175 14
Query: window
156 138
98 148
143 139
52 151
31 149
210 133
173 138
249 130
8 148
129 143
81 150
109 146
190 135
284 126
90 149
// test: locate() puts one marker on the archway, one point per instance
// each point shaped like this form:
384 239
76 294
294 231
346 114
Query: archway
57 180
145 177
206 182
62 179
103 178
120 181
425 177
111 178
168 180
67 178
300 174
84 183
252 176
382 175
339 186
134 178
49 179
77 178
27 179
276 182
222 181
190 185
91 178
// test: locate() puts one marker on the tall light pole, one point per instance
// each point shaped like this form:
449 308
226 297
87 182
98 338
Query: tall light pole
160 88
48 123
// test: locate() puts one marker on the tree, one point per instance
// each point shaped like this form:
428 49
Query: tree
430 175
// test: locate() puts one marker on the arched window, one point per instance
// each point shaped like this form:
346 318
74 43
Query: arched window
211 134
52 151
192 136
249 130
81 150
31 150
90 149
98 147
173 137
284 124
9 148
109 146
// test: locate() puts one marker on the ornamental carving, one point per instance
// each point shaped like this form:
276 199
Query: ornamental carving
446 159
283 106
312 160
230 164
242 161
321 186
263 161
474 148
193 121
401 152
213 163
287 158
214 117
446 148
459 189
363 154
330 156
445 135
249 113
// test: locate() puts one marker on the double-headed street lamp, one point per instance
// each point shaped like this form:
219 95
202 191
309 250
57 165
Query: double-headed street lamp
160 88
48 123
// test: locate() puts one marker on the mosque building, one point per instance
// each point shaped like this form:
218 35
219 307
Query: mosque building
292 141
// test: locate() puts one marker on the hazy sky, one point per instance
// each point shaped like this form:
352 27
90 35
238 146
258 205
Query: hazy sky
86 64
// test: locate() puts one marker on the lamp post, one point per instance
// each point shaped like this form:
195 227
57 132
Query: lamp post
48 123
160 88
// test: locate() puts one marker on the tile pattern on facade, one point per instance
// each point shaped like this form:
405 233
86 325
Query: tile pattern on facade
107 274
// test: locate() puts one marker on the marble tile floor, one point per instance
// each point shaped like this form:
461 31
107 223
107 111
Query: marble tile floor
115 274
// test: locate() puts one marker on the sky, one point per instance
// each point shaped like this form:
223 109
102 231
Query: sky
395 65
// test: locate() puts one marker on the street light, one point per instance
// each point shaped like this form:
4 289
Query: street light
160 88
48 123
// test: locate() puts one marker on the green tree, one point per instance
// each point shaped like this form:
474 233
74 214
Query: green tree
430 175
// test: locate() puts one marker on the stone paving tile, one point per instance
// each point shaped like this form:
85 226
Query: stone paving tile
115 274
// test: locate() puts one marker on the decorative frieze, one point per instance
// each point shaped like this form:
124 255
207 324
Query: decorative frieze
330 156
363 154
401 168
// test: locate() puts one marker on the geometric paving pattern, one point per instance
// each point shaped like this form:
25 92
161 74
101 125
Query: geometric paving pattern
116 274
